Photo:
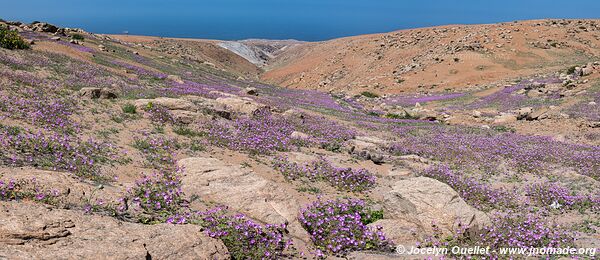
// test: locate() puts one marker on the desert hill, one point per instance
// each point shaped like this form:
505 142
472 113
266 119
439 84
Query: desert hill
444 58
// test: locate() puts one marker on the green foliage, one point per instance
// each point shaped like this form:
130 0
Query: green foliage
11 40
370 216
129 109
369 94
504 129
78 37
185 131
571 70
397 116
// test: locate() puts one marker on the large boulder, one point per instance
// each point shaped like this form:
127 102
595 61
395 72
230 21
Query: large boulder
35 231
90 93
242 190
367 148
240 105
169 103
423 201
44 27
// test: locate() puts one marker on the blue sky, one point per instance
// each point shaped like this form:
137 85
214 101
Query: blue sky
309 20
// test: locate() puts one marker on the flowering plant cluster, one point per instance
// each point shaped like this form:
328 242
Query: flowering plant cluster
159 150
522 229
244 238
159 198
156 198
478 149
348 179
159 114
57 151
477 194
326 133
340 226
525 230
261 134
26 190
39 108
553 195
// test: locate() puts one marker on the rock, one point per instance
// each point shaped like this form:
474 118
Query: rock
56 38
44 27
586 71
35 231
476 114
594 124
592 103
209 107
240 105
95 93
241 189
293 113
107 93
400 231
506 118
299 135
538 114
175 78
169 103
185 117
251 91
90 93
423 201
524 112
367 148
426 114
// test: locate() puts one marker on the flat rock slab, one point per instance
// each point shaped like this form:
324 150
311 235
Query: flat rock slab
34 231
241 190
423 201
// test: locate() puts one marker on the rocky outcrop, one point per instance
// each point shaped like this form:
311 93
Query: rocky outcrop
241 190
240 105
34 231
95 93
169 103
367 148
419 202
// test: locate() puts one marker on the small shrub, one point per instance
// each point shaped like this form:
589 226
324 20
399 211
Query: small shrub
78 37
159 150
369 94
244 238
346 179
456 59
186 131
158 197
571 70
129 109
398 116
11 40
337 227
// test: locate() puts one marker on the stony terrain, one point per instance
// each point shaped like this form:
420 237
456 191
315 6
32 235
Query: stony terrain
128 147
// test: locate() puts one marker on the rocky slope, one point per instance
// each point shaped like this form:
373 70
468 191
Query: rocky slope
438 58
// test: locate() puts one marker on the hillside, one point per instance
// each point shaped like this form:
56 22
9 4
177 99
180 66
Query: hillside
131 147
438 58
